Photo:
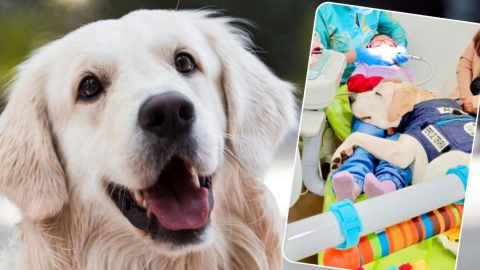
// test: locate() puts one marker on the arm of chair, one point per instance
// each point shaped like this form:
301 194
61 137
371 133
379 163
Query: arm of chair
312 123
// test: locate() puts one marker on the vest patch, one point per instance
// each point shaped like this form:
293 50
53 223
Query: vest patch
470 128
449 110
440 126
435 138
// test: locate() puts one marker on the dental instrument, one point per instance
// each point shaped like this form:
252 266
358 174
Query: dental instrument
414 57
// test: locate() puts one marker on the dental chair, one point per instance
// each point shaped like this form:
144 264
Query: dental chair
323 80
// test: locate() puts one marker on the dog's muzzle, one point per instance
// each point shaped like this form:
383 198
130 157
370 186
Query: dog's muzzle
177 208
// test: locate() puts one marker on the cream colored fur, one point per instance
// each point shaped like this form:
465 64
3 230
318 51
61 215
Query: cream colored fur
385 111
56 153
385 105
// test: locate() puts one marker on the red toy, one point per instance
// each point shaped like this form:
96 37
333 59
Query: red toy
406 266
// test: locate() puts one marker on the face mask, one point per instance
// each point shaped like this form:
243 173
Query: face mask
364 11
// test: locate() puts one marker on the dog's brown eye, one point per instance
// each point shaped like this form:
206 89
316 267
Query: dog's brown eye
90 87
184 63
378 94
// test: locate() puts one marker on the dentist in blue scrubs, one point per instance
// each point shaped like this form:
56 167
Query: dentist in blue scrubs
348 30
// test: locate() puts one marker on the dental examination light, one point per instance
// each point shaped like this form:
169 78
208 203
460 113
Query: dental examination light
389 53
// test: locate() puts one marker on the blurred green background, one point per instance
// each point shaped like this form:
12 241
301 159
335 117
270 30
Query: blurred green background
283 34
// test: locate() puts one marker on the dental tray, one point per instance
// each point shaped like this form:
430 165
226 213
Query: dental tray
320 65
323 80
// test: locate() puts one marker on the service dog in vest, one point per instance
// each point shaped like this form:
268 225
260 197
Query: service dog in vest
436 133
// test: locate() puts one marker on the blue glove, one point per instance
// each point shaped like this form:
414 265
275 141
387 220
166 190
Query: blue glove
401 50
367 56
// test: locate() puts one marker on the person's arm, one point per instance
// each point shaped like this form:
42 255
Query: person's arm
322 31
389 25
465 71
351 57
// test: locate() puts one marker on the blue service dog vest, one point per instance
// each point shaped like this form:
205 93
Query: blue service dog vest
439 125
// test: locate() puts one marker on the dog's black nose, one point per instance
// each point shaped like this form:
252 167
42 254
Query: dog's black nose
169 114
351 98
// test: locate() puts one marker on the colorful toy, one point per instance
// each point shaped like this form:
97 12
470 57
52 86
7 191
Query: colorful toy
417 264
453 235
397 237
308 236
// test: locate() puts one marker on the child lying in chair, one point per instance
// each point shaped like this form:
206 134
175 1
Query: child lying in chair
362 172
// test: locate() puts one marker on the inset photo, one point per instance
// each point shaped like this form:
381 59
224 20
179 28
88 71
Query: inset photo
386 137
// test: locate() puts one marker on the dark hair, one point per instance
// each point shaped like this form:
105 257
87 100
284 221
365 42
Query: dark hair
381 34
476 42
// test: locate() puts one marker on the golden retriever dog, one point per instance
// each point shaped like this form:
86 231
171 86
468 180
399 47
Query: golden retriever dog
444 138
118 138
399 105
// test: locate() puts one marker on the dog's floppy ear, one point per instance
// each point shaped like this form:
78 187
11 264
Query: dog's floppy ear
260 106
30 173
402 102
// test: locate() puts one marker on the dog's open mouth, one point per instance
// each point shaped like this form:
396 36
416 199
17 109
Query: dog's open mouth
176 208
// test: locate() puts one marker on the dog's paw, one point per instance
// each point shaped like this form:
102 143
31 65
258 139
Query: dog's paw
346 154
335 163
339 159
447 244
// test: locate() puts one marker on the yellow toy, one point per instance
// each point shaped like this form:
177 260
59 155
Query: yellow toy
419 264
453 235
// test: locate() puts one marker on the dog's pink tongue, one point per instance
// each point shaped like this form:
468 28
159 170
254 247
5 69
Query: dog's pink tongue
176 201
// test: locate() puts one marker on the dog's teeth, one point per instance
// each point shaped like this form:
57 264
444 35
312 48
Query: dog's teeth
193 171
138 196
196 180
144 204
